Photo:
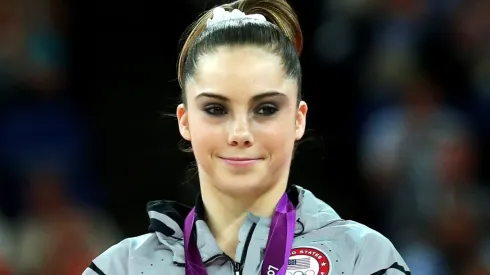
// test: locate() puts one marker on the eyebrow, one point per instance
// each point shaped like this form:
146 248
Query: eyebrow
254 98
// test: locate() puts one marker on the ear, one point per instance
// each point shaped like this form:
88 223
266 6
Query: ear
301 120
183 121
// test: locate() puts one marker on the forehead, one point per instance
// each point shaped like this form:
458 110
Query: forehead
240 70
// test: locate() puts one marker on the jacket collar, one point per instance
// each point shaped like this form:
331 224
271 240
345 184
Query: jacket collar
168 217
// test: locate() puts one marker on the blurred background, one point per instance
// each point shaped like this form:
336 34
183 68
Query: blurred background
399 95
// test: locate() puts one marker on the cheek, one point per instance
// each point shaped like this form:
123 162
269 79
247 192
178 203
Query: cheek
278 139
205 136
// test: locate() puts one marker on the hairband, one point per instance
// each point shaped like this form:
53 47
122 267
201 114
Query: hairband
220 14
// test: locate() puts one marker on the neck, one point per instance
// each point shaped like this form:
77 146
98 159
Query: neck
225 214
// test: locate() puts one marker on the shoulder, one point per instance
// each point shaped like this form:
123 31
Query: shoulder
360 250
116 258
351 248
374 253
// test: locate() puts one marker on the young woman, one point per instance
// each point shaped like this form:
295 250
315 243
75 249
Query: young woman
242 113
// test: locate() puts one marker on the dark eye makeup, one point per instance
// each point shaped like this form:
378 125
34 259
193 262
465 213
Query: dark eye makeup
264 109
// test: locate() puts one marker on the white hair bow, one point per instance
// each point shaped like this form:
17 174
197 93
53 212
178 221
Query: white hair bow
220 14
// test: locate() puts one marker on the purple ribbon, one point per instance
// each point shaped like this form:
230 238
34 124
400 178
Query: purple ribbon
277 251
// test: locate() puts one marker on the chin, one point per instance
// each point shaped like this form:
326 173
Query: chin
242 185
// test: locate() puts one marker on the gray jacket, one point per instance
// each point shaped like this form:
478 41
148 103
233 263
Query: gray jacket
324 244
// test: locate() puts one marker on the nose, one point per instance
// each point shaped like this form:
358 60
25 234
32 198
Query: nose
240 134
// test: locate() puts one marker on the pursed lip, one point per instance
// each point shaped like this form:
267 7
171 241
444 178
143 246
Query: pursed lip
240 161
239 158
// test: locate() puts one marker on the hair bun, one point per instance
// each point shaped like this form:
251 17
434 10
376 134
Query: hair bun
277 12
282 26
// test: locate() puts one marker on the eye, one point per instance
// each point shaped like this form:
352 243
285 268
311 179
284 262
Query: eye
215 110
267 110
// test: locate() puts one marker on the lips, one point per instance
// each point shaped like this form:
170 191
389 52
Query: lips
240 161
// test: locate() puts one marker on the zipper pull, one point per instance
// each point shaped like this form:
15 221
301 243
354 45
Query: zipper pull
237 267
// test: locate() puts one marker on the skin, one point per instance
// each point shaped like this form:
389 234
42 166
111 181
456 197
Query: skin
241 104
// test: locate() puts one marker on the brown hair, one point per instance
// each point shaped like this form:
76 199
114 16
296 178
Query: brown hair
281 34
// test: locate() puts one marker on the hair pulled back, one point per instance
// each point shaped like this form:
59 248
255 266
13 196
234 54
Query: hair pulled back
281 35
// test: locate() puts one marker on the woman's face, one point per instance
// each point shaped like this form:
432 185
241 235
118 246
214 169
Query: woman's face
242 120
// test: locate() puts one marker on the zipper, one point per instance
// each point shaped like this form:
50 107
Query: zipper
238 266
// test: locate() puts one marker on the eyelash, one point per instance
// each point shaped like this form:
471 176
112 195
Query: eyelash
219 110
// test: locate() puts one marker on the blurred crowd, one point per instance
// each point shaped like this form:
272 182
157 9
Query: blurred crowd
424 124
50 222
425 80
